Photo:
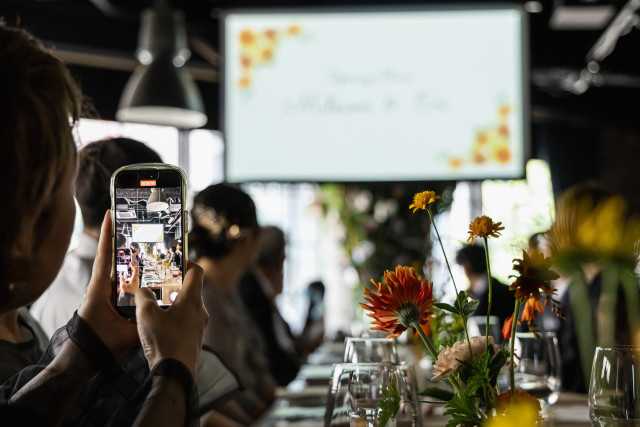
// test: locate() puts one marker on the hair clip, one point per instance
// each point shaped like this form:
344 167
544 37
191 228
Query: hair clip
216 223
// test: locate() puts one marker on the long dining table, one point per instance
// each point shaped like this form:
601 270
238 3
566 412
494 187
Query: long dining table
303 402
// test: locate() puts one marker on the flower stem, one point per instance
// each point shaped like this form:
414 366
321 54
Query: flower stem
434 354
486 334
512 344
442 247
464 319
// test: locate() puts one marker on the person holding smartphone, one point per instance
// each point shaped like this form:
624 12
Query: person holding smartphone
39 101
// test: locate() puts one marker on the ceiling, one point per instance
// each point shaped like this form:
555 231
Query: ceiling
98 38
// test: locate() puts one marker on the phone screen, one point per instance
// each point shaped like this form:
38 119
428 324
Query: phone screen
148 211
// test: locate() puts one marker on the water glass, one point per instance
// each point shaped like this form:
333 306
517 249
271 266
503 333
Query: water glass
614 388
370 350
538 365
356 390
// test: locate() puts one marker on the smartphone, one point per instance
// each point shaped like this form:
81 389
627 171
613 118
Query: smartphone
150 223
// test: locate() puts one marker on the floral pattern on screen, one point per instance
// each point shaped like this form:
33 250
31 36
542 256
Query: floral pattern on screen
491 145
257 49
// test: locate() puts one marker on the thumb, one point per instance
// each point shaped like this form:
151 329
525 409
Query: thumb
146 303
102 265
145 296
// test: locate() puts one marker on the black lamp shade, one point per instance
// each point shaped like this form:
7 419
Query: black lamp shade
162 94
161 91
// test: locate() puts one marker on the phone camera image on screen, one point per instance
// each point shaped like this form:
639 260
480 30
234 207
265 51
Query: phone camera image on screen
148 226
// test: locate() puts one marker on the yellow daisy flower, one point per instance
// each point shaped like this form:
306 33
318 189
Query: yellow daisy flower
483 226
422 200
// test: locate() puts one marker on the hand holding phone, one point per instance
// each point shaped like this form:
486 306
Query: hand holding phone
97 308
150 216
177 332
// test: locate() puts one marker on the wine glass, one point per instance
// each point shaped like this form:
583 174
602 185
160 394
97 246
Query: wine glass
370 350
614 388
537 368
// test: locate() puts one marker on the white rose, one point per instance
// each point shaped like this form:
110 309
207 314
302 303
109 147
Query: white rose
449 357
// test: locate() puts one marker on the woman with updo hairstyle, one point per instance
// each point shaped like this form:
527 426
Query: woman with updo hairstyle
223 240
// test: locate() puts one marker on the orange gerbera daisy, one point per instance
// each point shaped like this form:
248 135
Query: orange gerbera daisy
534 275
403 301
422 200
483 226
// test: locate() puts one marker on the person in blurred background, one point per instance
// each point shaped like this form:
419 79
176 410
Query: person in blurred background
39 106
312 334
473 260
223 239
96 163
258 289
577 206
176 257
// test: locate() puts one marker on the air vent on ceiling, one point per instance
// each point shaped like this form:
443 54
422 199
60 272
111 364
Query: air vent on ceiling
126 215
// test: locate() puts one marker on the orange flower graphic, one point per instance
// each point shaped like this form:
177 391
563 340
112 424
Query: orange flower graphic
267 55
257 47
293 30
403 301
502 154
455 162
479 158
504 110
247 38
481 138
244 82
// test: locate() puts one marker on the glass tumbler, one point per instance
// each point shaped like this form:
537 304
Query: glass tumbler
614 388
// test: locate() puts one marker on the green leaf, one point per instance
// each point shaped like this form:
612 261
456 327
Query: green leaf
465 305
437 393
446 307
389 405
462 409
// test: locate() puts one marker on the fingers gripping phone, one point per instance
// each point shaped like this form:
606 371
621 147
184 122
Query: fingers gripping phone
149 209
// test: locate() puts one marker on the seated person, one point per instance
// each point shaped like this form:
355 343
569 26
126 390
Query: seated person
474 262
223 238
96 163
38 108
258 290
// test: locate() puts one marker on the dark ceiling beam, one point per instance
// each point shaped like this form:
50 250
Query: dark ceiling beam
111 61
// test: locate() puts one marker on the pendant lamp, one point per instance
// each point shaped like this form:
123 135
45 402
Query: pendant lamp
161 91
157 201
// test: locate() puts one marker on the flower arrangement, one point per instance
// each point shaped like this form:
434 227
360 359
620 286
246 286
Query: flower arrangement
404 300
